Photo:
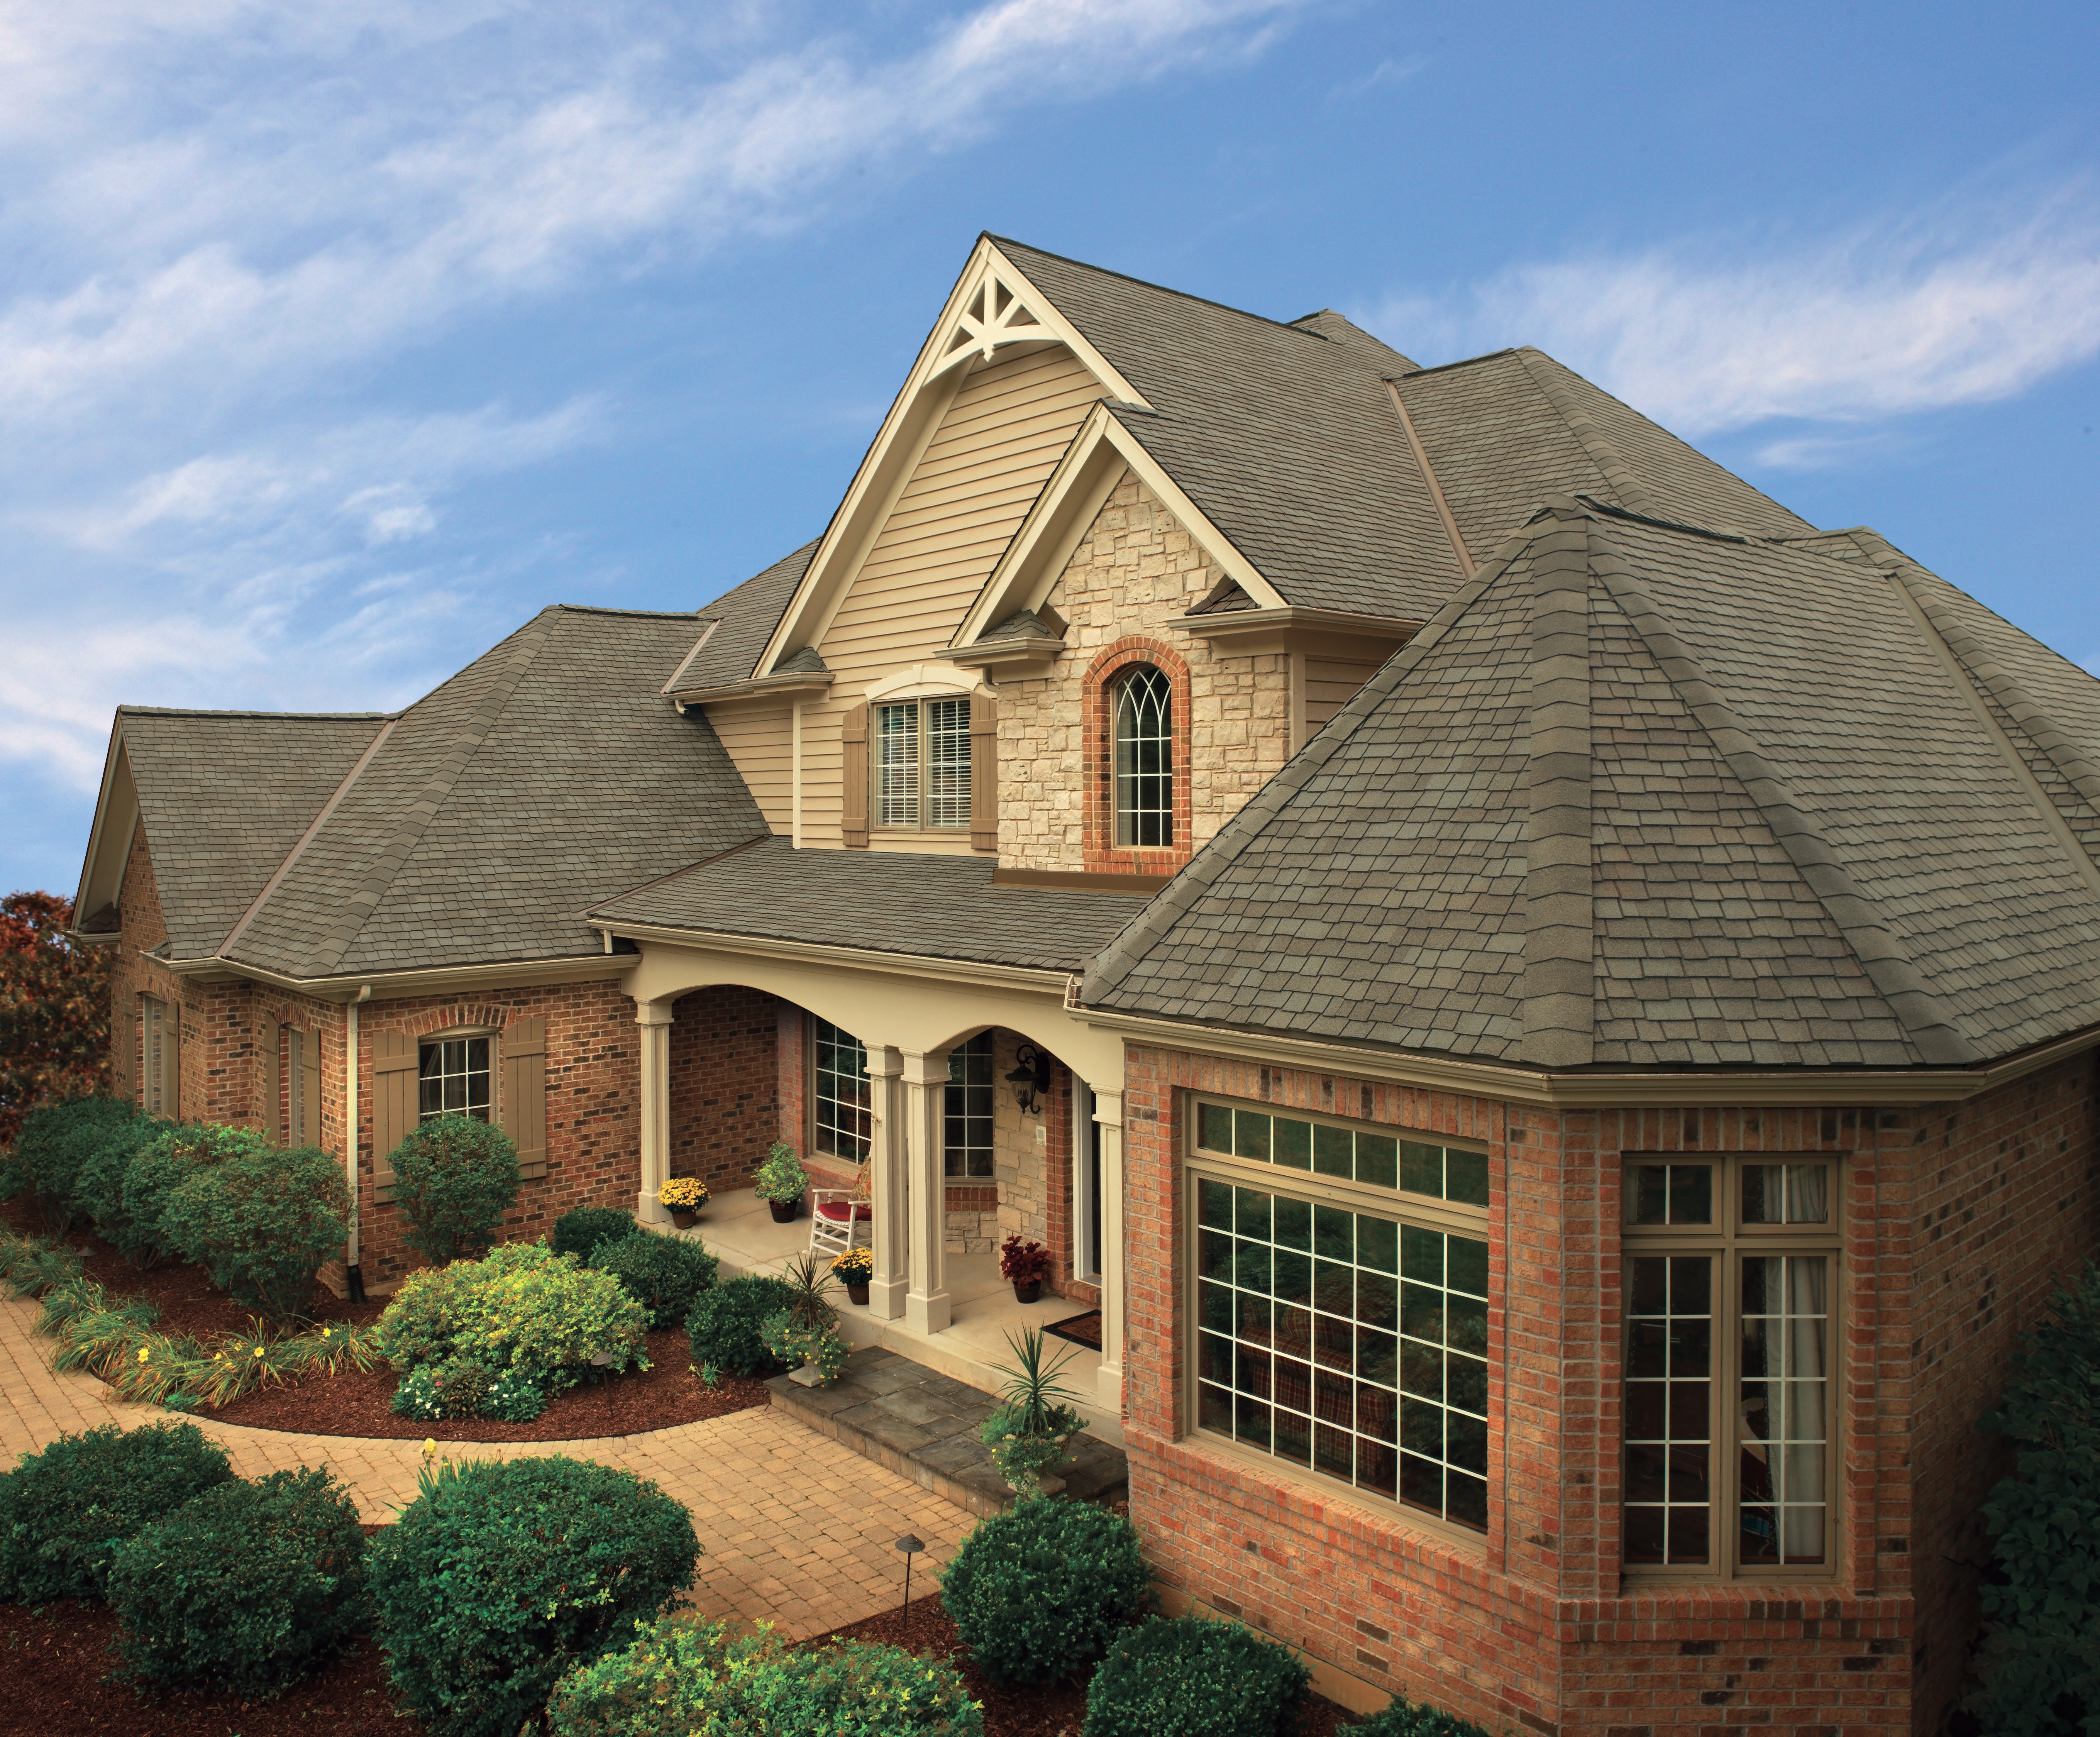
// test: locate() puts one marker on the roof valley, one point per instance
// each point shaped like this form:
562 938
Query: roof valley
1632 493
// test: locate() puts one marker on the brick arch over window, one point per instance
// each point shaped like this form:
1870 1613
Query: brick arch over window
1103 854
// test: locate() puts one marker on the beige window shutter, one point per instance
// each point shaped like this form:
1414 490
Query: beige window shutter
853 749
309 1089
271 1117
984 770
171 1062
525 1093
392 1103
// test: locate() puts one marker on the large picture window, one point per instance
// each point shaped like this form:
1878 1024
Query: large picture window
1337 1326
1730 1379
452 1080
922 764
1144 726
843 1119
971 1092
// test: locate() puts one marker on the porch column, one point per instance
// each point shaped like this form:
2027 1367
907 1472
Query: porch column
888 1162
925 1088
1107 1111
654 1017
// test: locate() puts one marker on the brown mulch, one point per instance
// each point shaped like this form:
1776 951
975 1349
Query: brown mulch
1030 1710
350 1404
56 1662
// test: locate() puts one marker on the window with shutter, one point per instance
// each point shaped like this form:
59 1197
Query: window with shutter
309 1089
853 745
525 1093
984 770
270 1116
392 1103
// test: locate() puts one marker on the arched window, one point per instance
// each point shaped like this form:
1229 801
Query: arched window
1144 757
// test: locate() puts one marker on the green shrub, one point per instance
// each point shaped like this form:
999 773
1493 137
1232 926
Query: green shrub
1181 1677
781 1177
179 1152
434 1392
524 1308
1406 1718
454 1177
680 1676
2041 1661
726 1326
1038 1594
58 1154
796 1345
498 1579
64 1511
263 1222
247 1588
580 1231
665 1274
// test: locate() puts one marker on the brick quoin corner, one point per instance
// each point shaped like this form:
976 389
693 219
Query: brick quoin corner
1959 1220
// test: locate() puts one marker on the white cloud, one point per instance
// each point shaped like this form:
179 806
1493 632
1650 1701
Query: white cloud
1962 308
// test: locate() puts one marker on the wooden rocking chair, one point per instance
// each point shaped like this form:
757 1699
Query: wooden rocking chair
841 1218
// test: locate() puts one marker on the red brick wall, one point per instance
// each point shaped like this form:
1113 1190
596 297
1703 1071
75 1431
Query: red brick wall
791 1029
724 1084
1534 1623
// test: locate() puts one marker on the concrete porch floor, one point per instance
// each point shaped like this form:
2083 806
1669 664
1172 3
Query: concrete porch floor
740 1229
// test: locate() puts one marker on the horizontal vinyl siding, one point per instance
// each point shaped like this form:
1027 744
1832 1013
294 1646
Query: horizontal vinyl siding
1000 439
762 745
1328 686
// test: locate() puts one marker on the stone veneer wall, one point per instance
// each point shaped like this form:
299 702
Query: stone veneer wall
1956 1218
1136 571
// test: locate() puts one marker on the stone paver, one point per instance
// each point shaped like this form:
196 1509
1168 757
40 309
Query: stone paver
798 1530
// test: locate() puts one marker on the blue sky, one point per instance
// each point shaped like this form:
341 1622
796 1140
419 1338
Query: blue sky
335 340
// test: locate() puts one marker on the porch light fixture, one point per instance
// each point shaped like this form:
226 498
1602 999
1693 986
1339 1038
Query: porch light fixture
1031 1080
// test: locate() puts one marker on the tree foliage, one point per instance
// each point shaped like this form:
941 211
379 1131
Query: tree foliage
54 1009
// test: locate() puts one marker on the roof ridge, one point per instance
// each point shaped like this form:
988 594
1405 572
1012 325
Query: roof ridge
1446 368
607 609
417 815
1926 1021
1631 491
1707 531
197 712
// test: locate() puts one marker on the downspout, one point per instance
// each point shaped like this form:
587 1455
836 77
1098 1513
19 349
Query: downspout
353 1271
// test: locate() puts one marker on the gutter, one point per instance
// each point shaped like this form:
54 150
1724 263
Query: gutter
424 980
801 684
1547 1090
1040 979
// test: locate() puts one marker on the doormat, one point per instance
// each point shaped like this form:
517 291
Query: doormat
1081 1330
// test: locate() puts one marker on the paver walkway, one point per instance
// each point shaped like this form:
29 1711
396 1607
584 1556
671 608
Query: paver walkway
797 1529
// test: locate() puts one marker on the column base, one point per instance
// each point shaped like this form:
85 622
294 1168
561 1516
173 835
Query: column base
649 1210
927 1314
1108 1388
886 1302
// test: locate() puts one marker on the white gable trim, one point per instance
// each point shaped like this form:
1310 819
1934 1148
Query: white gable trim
962 337
1101 453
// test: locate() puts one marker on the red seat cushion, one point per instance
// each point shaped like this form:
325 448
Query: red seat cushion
836 1211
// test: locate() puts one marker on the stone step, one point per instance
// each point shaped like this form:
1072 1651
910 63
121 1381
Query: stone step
923 1426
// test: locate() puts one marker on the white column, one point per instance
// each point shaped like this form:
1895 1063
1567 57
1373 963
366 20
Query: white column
925 1086
888 1162
654 1017
1107 1111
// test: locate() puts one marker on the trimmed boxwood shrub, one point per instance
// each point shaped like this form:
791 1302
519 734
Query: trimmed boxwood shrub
1406 1718
501 1576
178 1152
1182 1676
726 1325
247 1588
454 1177
263 1222
680 1676
1038 1594
524 1308
665 1274
580 1231
64 1511
116 1136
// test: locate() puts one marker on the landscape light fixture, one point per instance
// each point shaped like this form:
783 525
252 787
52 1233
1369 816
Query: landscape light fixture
1030 1080
911 1545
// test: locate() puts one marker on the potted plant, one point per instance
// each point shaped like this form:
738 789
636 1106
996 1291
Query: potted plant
804 1334
781 1182
855 1268
682 1196
1024 1266
1029 1432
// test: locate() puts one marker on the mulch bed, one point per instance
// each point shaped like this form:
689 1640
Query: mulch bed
350 1404
1036 1709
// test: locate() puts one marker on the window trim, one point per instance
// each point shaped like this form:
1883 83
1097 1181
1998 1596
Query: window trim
1119 702
1098 696
456 1034
1199 1163
1727 1240
963 1178
922 827
811 1127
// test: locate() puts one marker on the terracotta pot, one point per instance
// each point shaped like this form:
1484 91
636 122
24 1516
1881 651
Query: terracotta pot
784 1210
683 1219
856 1293
1028 1291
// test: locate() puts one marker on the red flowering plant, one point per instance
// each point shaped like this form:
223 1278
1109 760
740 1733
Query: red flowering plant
1023 1262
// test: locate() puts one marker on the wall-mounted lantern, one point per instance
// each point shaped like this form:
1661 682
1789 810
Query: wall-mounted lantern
1031 1080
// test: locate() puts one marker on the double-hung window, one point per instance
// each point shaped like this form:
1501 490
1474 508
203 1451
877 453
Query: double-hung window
922 764
1340 1307
1731 1378
843 1115
453 1079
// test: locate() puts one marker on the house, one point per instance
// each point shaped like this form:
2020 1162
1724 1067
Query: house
1551 1003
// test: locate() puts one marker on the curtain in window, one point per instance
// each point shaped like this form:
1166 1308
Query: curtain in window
1783 1417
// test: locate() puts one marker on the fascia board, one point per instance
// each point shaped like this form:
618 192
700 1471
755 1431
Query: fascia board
801 685
861 959
394 984
928 391
1777 1087
1214 542
116 811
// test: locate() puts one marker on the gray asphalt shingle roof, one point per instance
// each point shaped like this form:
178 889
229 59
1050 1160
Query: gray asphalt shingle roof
931 907
743 619
1640 796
